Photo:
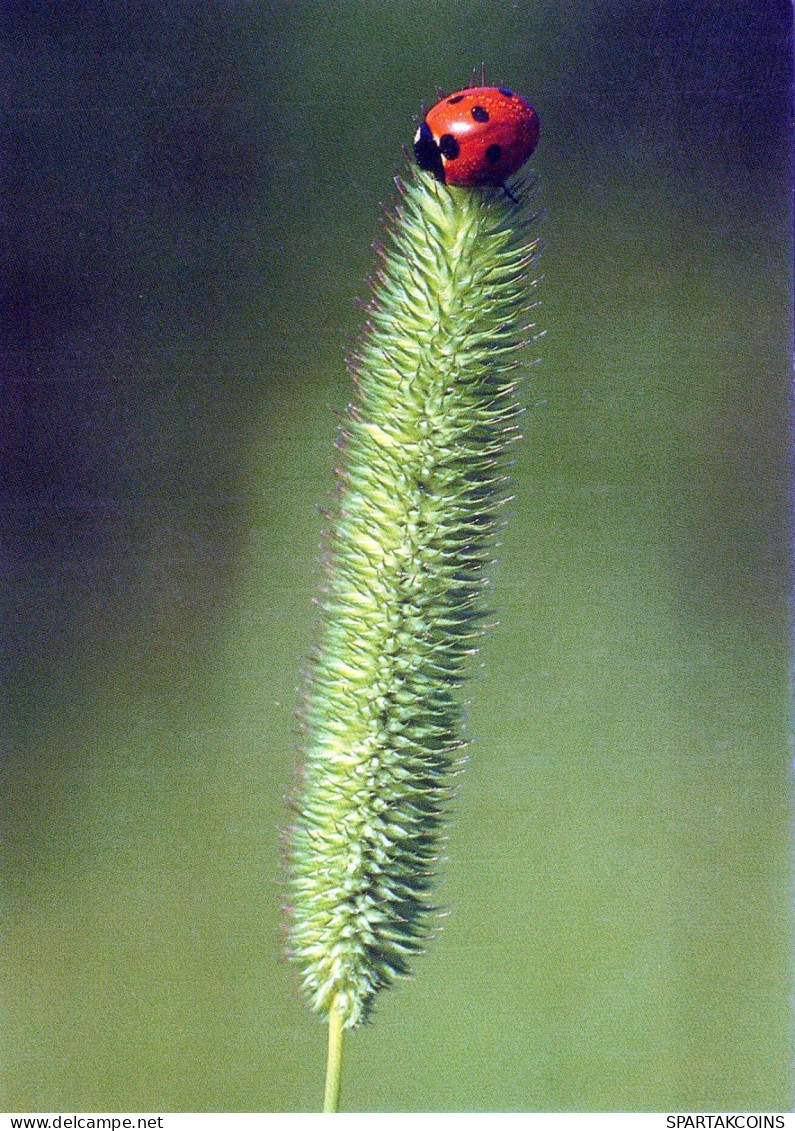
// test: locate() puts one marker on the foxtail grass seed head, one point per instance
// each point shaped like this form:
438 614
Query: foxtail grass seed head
419 488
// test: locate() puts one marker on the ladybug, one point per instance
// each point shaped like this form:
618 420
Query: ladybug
477 136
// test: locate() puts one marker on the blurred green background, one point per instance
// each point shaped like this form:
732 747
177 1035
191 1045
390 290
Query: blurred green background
189 197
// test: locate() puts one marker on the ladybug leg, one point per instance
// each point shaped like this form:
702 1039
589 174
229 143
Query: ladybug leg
440 94
508 192
482 73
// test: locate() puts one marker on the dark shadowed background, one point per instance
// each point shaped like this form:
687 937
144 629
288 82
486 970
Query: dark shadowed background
189 194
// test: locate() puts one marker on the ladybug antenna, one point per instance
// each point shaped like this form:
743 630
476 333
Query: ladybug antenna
474 78
482 73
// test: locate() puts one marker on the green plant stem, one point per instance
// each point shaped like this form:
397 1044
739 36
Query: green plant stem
331 1097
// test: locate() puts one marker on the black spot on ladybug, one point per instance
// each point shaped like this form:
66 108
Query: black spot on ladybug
449 147
506 91
480 114
456 98
493 154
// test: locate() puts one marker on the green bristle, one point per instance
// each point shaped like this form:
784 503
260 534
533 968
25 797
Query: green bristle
419 491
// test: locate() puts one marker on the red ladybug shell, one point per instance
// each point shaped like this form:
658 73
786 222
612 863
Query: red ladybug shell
477 136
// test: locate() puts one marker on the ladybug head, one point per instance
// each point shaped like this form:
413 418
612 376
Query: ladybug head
427 152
